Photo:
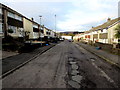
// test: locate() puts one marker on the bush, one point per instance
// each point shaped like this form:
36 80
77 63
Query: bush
10 46
10 31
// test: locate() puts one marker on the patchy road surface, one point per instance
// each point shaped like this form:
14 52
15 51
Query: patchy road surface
66 65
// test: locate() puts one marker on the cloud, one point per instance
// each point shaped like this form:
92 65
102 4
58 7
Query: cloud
71 14
37 0
89 12
46 9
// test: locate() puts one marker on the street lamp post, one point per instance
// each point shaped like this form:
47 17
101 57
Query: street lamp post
55 25
55 22
55 30
40 29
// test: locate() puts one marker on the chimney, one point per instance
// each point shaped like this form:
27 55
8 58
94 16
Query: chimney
32 19
108 19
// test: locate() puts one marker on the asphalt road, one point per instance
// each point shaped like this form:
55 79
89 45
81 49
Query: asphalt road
52 69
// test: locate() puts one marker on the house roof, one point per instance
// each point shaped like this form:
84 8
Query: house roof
105 25
15 12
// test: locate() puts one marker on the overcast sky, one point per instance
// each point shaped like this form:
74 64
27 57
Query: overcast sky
71 15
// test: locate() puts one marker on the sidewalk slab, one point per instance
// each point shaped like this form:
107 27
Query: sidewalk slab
114 59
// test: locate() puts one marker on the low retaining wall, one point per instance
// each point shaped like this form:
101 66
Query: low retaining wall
106 47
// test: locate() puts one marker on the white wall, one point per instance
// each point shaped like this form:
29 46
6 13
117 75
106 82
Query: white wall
67 37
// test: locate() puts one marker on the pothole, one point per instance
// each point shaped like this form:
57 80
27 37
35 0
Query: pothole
92 59
74 72
77 78
74 77
70 59
72 62
74 84
86 83
74 67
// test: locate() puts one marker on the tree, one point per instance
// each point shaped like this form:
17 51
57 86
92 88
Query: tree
117 34
71 34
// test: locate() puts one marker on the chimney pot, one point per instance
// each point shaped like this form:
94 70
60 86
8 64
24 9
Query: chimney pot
32 19
108 19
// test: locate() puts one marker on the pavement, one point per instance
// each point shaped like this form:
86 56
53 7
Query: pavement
109 57
15 61
6 54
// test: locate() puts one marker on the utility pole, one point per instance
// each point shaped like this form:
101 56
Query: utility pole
5 24
40 29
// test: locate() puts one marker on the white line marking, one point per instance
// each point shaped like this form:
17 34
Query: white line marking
105 75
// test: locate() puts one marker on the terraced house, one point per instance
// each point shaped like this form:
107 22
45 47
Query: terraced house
104 33
20 27
31 29
49 34
12 23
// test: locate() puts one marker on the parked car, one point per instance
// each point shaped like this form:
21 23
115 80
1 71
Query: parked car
70 40
61 39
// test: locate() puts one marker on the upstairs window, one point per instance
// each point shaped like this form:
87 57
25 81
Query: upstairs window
104 30
35 30
35 26
42 31
11 15
48 33
18 18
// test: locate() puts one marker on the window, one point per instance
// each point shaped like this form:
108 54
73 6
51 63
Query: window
13 28
35 30
0 10
105 30
35 26
42 31
48 33
18 17
0 27
11 15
